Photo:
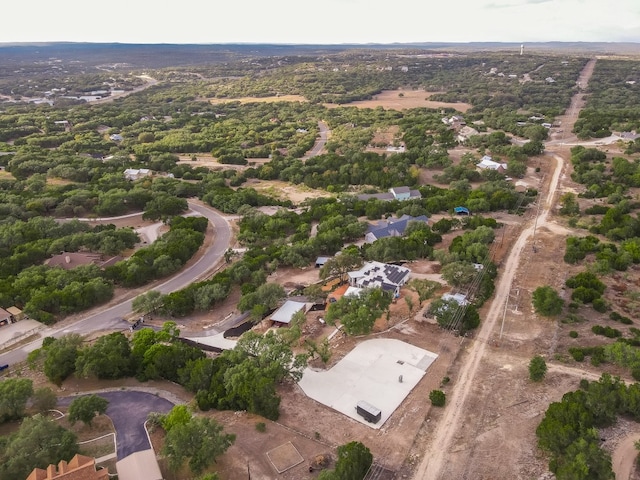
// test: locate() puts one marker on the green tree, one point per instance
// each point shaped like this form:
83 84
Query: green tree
569 204
546 301
200 440
537 368
86 408
108 358
358 313
179 415
163 206
60 357
424 288
266 297
44 399
585 460
272 353
438 398
458 274
38 443
339 265
14 393
149 302
354 461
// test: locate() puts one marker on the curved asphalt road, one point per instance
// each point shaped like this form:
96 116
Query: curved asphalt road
128 411
112 316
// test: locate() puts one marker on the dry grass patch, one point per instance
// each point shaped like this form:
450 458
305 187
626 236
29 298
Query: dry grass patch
59 181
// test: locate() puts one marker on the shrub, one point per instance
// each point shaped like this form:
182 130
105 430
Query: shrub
599 305
606 331
537 368
573 334
438 398
577 354
261 427
615 316
546 301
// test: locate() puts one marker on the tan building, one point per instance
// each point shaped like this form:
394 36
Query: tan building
139 466
78 468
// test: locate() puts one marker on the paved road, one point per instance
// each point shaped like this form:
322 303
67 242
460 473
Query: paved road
128 411
112 316
320 142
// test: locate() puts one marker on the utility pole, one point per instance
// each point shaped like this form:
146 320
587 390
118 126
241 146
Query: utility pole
535 222
504 312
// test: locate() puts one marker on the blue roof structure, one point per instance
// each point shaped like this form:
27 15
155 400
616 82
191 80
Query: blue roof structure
459 210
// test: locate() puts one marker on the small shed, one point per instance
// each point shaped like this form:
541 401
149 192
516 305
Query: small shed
461 211
16 314
367 411
320 261
285 313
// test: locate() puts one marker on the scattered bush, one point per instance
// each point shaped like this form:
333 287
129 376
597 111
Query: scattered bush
546 301
261 427
606 331
577 354
615 316
537 368
599 305
573 334
438 398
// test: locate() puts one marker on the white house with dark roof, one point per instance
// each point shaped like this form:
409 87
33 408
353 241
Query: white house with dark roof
380 275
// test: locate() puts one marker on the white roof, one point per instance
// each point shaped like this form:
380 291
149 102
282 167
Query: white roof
353 291
490 164
458 297
287 311
139 466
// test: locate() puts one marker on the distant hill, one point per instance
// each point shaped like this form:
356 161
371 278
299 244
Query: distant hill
166 55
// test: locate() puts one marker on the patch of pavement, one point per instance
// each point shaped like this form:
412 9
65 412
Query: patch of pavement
128 411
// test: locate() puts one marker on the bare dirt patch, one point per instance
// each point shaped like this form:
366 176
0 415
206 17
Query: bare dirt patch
286 191
403 100
388 99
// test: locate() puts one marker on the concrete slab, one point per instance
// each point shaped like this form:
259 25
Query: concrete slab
370 372
13 332
217 341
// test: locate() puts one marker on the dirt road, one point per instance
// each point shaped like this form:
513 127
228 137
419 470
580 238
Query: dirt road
624 457
434 459
434 463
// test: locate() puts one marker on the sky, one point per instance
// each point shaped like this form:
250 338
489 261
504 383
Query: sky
320 21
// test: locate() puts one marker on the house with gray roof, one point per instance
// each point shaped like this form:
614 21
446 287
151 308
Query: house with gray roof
394 227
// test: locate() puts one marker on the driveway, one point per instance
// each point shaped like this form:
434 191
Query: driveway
128 411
